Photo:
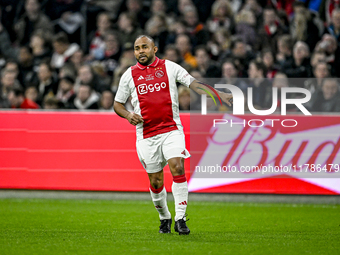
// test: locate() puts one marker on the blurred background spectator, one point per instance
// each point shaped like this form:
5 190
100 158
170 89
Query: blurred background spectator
86 98
17 99
184 98
63 50
261 86
328 98
52 49
106 100
31 20
66 94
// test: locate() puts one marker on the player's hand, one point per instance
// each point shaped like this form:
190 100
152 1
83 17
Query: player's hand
134 118
227 98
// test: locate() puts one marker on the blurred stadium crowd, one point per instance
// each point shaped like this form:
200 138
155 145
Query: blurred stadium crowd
70 54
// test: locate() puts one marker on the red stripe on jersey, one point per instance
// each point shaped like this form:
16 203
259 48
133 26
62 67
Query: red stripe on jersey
152 87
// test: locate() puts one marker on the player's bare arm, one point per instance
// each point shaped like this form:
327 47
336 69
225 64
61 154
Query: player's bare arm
133 118
198 88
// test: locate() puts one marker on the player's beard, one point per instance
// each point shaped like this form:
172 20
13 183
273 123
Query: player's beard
145 62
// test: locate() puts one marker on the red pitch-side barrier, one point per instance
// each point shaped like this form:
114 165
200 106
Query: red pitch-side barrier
96 151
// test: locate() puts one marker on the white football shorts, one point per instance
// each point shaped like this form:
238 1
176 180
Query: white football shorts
155 151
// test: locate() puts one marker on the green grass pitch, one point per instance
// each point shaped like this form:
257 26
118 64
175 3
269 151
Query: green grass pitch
47 226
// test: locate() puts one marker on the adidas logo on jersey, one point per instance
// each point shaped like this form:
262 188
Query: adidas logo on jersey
140 78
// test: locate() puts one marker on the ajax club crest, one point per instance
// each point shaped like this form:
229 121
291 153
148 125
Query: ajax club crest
159 73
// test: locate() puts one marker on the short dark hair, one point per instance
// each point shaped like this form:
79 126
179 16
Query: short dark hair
259 66
47 64
68 79
107 90
299 4
268 50
322 63
17 90
236 41
51 100
104 13
113 33
147 36
87 85
38 1
201 47
269 8
61 37
229 61
172 47
11 60
131 17
28 49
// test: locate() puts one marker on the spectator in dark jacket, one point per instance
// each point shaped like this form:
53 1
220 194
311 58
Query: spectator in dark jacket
270 30
65 94
222 16
6 48
48 83
41 49
246 28
321 70
27 74
32 20
329 45
303 28
106 100
261 85
97 43
87 76
334 27
284 49
328 98
112 53
240 55
207 67
194 27
128 28
299 66
17 99
229 76
86 98
156 27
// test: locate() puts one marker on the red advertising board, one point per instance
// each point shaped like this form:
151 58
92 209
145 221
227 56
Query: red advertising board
70 151
96 151
269 154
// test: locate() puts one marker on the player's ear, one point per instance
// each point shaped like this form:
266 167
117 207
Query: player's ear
155 49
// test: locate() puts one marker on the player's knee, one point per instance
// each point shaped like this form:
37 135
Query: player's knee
156 181
177 169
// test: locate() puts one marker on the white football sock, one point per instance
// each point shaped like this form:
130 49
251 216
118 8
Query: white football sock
180 193
159 200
